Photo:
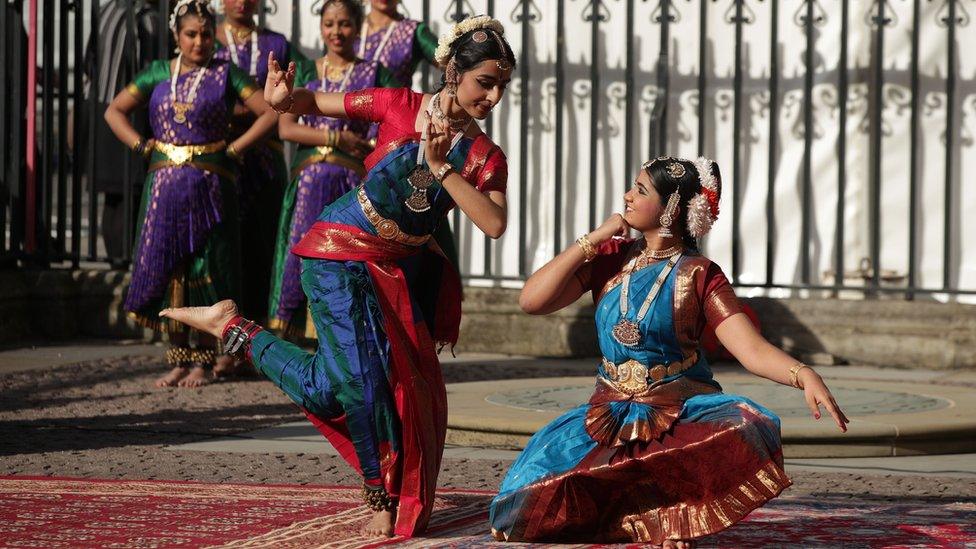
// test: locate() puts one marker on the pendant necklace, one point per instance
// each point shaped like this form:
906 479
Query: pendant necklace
232 46
180 109
342 84
382 44
420 177
626 331
345 77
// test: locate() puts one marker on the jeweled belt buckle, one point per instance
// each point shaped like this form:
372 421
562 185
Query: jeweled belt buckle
179 155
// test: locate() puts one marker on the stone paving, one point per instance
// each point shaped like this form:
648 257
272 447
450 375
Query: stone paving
101 418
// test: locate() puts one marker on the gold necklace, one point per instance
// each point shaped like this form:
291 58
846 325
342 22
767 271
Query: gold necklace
335 73
663 254
240 33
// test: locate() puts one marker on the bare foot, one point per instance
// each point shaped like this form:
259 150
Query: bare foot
198 377
380 525
173 377
210 319
225 366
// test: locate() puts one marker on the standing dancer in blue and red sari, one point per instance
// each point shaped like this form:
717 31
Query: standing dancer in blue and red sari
329 159
380 292
188 250
659 454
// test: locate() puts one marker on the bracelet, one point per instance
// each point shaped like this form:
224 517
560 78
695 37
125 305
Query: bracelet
234 154
589 250
331 138
280 109
143 148
795 374
442 173
237 337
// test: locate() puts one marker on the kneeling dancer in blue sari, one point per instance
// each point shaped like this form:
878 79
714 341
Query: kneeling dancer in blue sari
659 454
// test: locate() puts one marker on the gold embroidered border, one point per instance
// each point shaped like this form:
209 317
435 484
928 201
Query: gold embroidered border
135 91
694 520
327 155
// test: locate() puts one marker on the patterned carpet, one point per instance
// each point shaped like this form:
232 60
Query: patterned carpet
55 512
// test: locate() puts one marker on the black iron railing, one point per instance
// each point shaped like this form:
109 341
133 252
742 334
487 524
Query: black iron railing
51 213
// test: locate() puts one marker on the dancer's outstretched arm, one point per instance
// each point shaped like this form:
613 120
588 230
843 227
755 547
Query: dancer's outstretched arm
280 86
556 285
763 359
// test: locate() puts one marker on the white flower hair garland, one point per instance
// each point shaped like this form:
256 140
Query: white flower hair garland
443 52
703 207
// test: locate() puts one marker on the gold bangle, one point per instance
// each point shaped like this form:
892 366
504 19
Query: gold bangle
795 374
234 154
442 173
136 145
589 250
281 109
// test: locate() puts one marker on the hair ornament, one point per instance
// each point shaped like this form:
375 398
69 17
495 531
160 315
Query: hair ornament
180 9
675 169
481 22
480 37
703 207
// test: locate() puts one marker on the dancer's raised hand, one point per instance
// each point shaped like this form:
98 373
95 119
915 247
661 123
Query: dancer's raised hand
280 83
438 145
615 225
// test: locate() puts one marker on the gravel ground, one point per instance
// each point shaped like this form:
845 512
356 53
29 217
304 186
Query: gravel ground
103 419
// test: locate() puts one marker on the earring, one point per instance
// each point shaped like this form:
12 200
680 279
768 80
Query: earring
667 219
450 79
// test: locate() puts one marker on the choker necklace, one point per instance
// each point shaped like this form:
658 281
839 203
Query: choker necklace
663 254
456 124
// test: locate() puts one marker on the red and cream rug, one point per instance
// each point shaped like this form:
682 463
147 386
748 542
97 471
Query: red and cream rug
58 512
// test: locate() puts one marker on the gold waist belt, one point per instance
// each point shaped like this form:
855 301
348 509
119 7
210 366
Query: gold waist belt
387 228
631 377
181 154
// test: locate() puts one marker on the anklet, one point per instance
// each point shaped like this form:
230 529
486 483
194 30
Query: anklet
206 357
378 499
179 356
237 337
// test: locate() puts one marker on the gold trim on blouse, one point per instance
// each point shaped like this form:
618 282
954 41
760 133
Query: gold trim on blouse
135 91
387 228
247 91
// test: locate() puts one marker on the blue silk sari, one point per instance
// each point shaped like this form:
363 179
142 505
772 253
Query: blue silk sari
679 460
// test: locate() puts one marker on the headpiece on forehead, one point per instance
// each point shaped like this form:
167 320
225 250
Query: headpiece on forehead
182 7
488 27
703 206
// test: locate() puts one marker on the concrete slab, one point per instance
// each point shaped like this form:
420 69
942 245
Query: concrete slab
300 437
39 357
893 412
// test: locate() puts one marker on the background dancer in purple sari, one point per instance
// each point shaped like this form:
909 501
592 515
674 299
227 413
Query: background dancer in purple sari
659 454
400 44
329 159
265 174
188 251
